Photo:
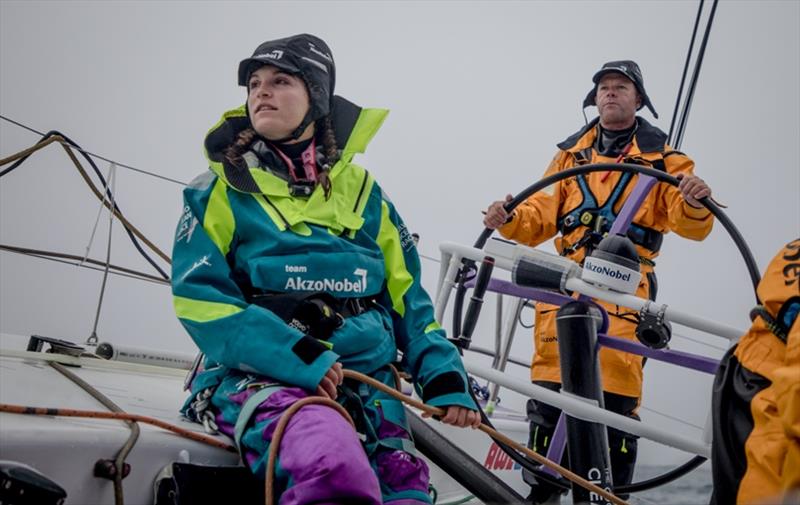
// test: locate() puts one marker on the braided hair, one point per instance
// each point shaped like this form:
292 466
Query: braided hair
324 133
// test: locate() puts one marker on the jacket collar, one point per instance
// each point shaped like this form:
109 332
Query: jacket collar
648 137
354 127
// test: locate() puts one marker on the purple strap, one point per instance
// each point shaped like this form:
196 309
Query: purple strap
632 204
556 449
683 359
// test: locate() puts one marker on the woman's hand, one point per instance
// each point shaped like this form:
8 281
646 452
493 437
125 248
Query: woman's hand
333 377
459 416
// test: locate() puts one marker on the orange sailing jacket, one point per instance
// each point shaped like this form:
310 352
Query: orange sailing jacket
542 216
773 447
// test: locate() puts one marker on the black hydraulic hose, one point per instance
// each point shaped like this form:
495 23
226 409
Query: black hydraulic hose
119 164
107 191
522 459
466 273
21 160
114 203
463 339
693 84
634 487
662 479
685 71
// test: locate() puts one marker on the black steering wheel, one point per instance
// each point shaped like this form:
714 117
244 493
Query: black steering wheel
468 269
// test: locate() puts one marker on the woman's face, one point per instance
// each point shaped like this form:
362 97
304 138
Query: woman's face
277 102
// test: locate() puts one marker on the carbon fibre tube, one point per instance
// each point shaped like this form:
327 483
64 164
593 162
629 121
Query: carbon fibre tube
587 442
458 464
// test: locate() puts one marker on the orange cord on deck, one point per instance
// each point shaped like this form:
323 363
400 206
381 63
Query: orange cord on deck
119 416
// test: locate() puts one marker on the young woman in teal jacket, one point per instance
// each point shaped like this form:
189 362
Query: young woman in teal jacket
289 264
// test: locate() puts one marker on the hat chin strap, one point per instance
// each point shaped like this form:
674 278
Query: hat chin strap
307 120
297 131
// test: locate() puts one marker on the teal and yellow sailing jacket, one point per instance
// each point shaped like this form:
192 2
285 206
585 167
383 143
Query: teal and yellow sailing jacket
242 232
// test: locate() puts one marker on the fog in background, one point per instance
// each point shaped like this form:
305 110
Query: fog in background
479 92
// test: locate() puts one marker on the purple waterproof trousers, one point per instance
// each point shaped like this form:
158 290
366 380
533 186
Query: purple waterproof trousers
321 459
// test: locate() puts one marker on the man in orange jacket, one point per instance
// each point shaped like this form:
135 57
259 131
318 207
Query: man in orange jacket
756 403
581 209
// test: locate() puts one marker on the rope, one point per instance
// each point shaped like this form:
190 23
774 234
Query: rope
88 153
436 411
80 262
115 211
284 420
119 416
119 460
26 152
68 148
206 439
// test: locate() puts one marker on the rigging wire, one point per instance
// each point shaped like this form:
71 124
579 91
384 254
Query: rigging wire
687 105
685 71
696 341
430 258
97 219
99 157
80 262
673 418
110 190
68 144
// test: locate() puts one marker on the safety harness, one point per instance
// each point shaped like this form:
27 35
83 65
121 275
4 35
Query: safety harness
779 325
599 218
317 314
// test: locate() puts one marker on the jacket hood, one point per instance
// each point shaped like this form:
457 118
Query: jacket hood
354 127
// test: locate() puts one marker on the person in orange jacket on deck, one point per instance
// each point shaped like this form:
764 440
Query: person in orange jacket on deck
580 210
755 454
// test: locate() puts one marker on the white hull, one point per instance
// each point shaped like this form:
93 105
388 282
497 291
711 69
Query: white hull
65 449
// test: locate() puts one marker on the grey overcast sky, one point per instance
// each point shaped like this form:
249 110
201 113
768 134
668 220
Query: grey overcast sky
480 93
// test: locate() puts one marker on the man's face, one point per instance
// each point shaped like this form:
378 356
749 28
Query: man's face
617 101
